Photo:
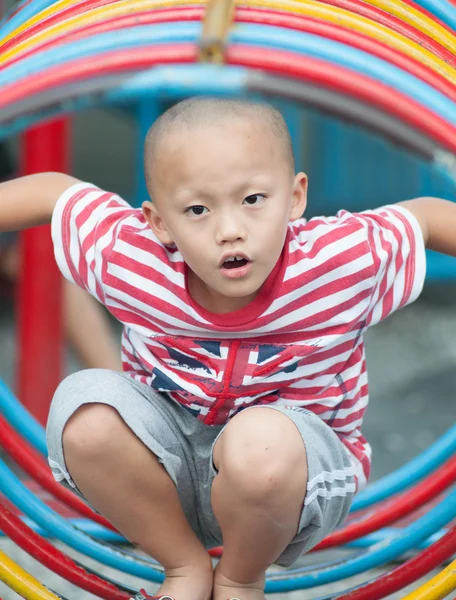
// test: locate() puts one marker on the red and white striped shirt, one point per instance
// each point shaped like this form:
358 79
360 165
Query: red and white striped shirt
298 344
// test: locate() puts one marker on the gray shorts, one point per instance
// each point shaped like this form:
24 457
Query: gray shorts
184 445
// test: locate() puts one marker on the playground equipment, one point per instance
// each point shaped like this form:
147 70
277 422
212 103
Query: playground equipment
384 66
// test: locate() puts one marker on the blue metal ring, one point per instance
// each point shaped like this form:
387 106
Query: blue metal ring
21 420
442 9
383 552
29 10
258 35
62 530
422 465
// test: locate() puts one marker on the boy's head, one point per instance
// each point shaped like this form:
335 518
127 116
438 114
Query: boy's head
221 176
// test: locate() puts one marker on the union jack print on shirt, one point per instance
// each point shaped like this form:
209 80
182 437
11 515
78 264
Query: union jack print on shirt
298 344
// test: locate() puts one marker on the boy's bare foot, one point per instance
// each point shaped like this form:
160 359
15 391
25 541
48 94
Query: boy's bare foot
186 583
227 589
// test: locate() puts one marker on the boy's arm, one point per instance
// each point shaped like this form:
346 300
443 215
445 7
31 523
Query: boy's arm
29 201
437 219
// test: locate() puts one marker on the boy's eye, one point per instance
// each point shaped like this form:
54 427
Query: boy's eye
196 210
254 199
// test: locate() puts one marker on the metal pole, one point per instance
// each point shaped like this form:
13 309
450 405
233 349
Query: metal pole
39 368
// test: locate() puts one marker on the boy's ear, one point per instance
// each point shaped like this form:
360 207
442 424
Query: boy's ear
156 223
299 197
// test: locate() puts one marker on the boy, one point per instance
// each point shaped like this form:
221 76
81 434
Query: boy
237 419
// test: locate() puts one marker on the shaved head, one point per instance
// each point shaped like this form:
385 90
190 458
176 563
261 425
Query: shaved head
206 111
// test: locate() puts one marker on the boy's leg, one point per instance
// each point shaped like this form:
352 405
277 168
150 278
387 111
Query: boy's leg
122 478
257 498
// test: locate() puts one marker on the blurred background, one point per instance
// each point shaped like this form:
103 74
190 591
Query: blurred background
411 356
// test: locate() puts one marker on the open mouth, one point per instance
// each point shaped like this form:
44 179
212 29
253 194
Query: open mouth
235 263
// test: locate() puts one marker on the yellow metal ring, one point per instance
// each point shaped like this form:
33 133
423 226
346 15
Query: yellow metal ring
438 587
399 9
44 14
113 9
22 582
417 19
310 8
362 25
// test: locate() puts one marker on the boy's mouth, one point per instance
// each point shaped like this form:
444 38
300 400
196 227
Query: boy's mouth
235 266
234 260
234 263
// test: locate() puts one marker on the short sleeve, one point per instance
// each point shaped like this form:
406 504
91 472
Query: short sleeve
399 259
84 226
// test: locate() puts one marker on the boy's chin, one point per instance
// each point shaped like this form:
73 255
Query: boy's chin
241 297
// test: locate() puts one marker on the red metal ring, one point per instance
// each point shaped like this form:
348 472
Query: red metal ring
264 16
54 559
35 467
283 63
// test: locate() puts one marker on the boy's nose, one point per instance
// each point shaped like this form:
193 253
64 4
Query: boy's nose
229 229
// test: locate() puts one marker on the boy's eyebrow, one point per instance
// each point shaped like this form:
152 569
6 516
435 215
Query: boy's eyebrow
189 194
256 185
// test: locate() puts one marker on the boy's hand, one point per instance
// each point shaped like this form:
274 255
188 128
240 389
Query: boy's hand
29 201
437 219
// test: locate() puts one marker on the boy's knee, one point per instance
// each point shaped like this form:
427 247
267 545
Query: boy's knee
261 452
91 431
88 384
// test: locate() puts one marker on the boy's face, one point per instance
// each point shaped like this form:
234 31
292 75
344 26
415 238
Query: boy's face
220 191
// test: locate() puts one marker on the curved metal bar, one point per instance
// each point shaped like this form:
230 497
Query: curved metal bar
106 535
266 17
397 508
409 13
54 559
31 13
425 463
345 107
22 582
270 37
35 467
30 505
19 418
411 47
442 514
404 574
436 518
361 17
438 587
90 93
350 58
442 9
92 529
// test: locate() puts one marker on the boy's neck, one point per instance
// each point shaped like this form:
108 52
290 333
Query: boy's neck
213 301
